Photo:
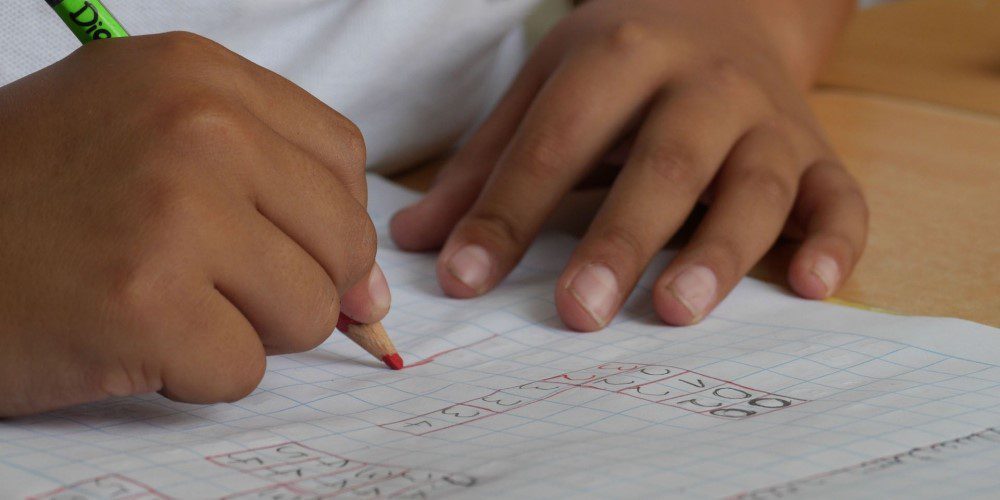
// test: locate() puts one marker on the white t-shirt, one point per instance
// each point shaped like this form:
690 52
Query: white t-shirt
413 74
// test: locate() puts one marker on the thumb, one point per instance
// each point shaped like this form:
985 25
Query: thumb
369 299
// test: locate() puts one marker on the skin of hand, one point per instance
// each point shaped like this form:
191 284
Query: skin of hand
706 99
170 213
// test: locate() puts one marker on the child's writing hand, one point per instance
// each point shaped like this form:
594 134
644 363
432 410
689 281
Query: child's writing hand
711 109
169 213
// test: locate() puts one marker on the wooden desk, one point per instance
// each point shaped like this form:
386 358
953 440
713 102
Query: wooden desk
941 51
932 179
931 172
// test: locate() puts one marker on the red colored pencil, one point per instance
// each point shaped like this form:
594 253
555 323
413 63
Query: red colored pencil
372 338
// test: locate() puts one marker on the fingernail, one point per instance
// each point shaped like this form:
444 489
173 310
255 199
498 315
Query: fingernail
471 265
595 288
378 289
695 289
827 270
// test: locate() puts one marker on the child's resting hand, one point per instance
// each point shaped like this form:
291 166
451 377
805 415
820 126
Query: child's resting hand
169 213
709 109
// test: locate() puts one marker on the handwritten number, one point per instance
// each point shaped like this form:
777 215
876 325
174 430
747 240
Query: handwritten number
642 390
338 463
422 422
290 453
255 460
500 401
760 402
617 366
373 491
457 413
732 412
666 371
740 394
457 480
371 474
700 384
696 403
337 484
423 476
608 381
539 386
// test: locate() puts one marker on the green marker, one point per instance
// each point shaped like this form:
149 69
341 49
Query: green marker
89 20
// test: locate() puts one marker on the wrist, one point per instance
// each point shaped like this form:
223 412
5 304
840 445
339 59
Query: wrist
804 32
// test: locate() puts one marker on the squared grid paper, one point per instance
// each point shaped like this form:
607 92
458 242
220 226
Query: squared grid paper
843 402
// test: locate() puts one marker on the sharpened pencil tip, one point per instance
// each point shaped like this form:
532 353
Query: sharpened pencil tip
393 361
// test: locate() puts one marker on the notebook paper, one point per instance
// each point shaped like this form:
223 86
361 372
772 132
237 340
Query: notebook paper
769 397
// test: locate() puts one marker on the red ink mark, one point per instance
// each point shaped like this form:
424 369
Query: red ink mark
432 357
124 486
393 361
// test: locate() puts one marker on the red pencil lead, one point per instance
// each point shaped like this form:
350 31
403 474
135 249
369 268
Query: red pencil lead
393 361
372 338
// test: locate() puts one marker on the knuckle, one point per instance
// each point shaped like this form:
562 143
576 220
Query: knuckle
183 45
624 241
170 207
497 226
353 142
789 127
193 61
769 186
670 163
727 79
201 119
844 188
627 37
724 74
542 157
727 257
138 292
